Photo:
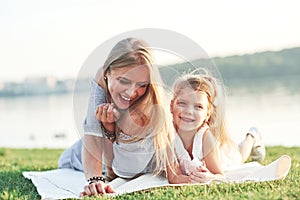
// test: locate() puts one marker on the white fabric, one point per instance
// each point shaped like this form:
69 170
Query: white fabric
253 171
137 157
68 183
229 156
57 184
188 165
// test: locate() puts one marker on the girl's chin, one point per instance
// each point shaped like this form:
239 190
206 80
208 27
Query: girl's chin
187 128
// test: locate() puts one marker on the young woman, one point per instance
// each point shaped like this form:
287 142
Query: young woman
203 146
128 126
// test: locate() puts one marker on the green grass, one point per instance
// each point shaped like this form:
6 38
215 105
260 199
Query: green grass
14 186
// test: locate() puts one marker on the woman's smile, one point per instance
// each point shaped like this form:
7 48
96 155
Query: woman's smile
128 84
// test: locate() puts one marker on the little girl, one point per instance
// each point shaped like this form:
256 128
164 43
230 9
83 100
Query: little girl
203 146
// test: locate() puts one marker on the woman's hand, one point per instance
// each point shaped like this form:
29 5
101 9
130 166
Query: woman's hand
97 188
106 113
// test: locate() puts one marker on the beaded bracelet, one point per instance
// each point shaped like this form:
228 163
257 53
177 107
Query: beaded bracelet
95 179
108 134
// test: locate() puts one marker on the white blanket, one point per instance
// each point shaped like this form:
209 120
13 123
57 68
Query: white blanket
68 183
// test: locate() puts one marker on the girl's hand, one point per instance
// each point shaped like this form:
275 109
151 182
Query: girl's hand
106 113
202 175
97 188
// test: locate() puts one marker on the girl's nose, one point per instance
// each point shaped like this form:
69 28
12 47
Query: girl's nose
188 110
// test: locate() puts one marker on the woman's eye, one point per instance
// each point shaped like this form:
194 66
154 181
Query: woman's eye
124 82
142 85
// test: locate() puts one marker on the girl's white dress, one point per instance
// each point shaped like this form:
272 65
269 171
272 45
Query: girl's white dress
229 156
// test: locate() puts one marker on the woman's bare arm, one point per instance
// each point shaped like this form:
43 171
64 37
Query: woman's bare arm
92 155
92 150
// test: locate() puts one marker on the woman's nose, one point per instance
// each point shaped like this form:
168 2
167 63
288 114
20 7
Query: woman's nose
131 91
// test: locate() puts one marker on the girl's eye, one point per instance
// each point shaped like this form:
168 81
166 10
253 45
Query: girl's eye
181 103
198 107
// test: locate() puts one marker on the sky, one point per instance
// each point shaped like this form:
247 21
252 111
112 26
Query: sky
54 37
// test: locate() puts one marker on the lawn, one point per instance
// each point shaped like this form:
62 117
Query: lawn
14 186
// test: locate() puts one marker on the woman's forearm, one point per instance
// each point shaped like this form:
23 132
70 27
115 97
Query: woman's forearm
92 155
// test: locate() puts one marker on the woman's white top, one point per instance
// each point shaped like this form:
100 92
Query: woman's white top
131 159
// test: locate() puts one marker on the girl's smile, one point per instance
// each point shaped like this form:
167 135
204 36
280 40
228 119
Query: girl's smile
190 110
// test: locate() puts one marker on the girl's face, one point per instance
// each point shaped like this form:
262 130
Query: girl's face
127 84
190 110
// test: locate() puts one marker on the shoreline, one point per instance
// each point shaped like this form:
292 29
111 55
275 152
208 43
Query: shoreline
62 148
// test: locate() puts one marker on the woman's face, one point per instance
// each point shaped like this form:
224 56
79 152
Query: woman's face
127 84
190 110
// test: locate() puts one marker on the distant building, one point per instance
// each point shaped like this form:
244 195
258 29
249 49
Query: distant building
42 86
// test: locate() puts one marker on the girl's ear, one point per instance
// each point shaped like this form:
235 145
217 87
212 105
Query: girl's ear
171 105
207 117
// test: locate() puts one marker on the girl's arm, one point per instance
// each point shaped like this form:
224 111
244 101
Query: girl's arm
203 175
212 169
211 154
175 176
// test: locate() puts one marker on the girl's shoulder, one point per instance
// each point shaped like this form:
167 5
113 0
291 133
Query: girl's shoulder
203 130
208 137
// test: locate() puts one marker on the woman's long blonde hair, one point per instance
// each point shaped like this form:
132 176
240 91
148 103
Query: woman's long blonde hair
212 87
151 108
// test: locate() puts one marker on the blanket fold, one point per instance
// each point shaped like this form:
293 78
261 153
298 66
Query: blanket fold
68 183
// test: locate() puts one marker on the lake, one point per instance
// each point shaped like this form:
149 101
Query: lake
48 121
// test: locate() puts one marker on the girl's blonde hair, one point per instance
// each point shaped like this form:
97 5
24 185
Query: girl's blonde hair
213 89
151 109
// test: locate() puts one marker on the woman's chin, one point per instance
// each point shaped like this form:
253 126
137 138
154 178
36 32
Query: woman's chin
122 105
